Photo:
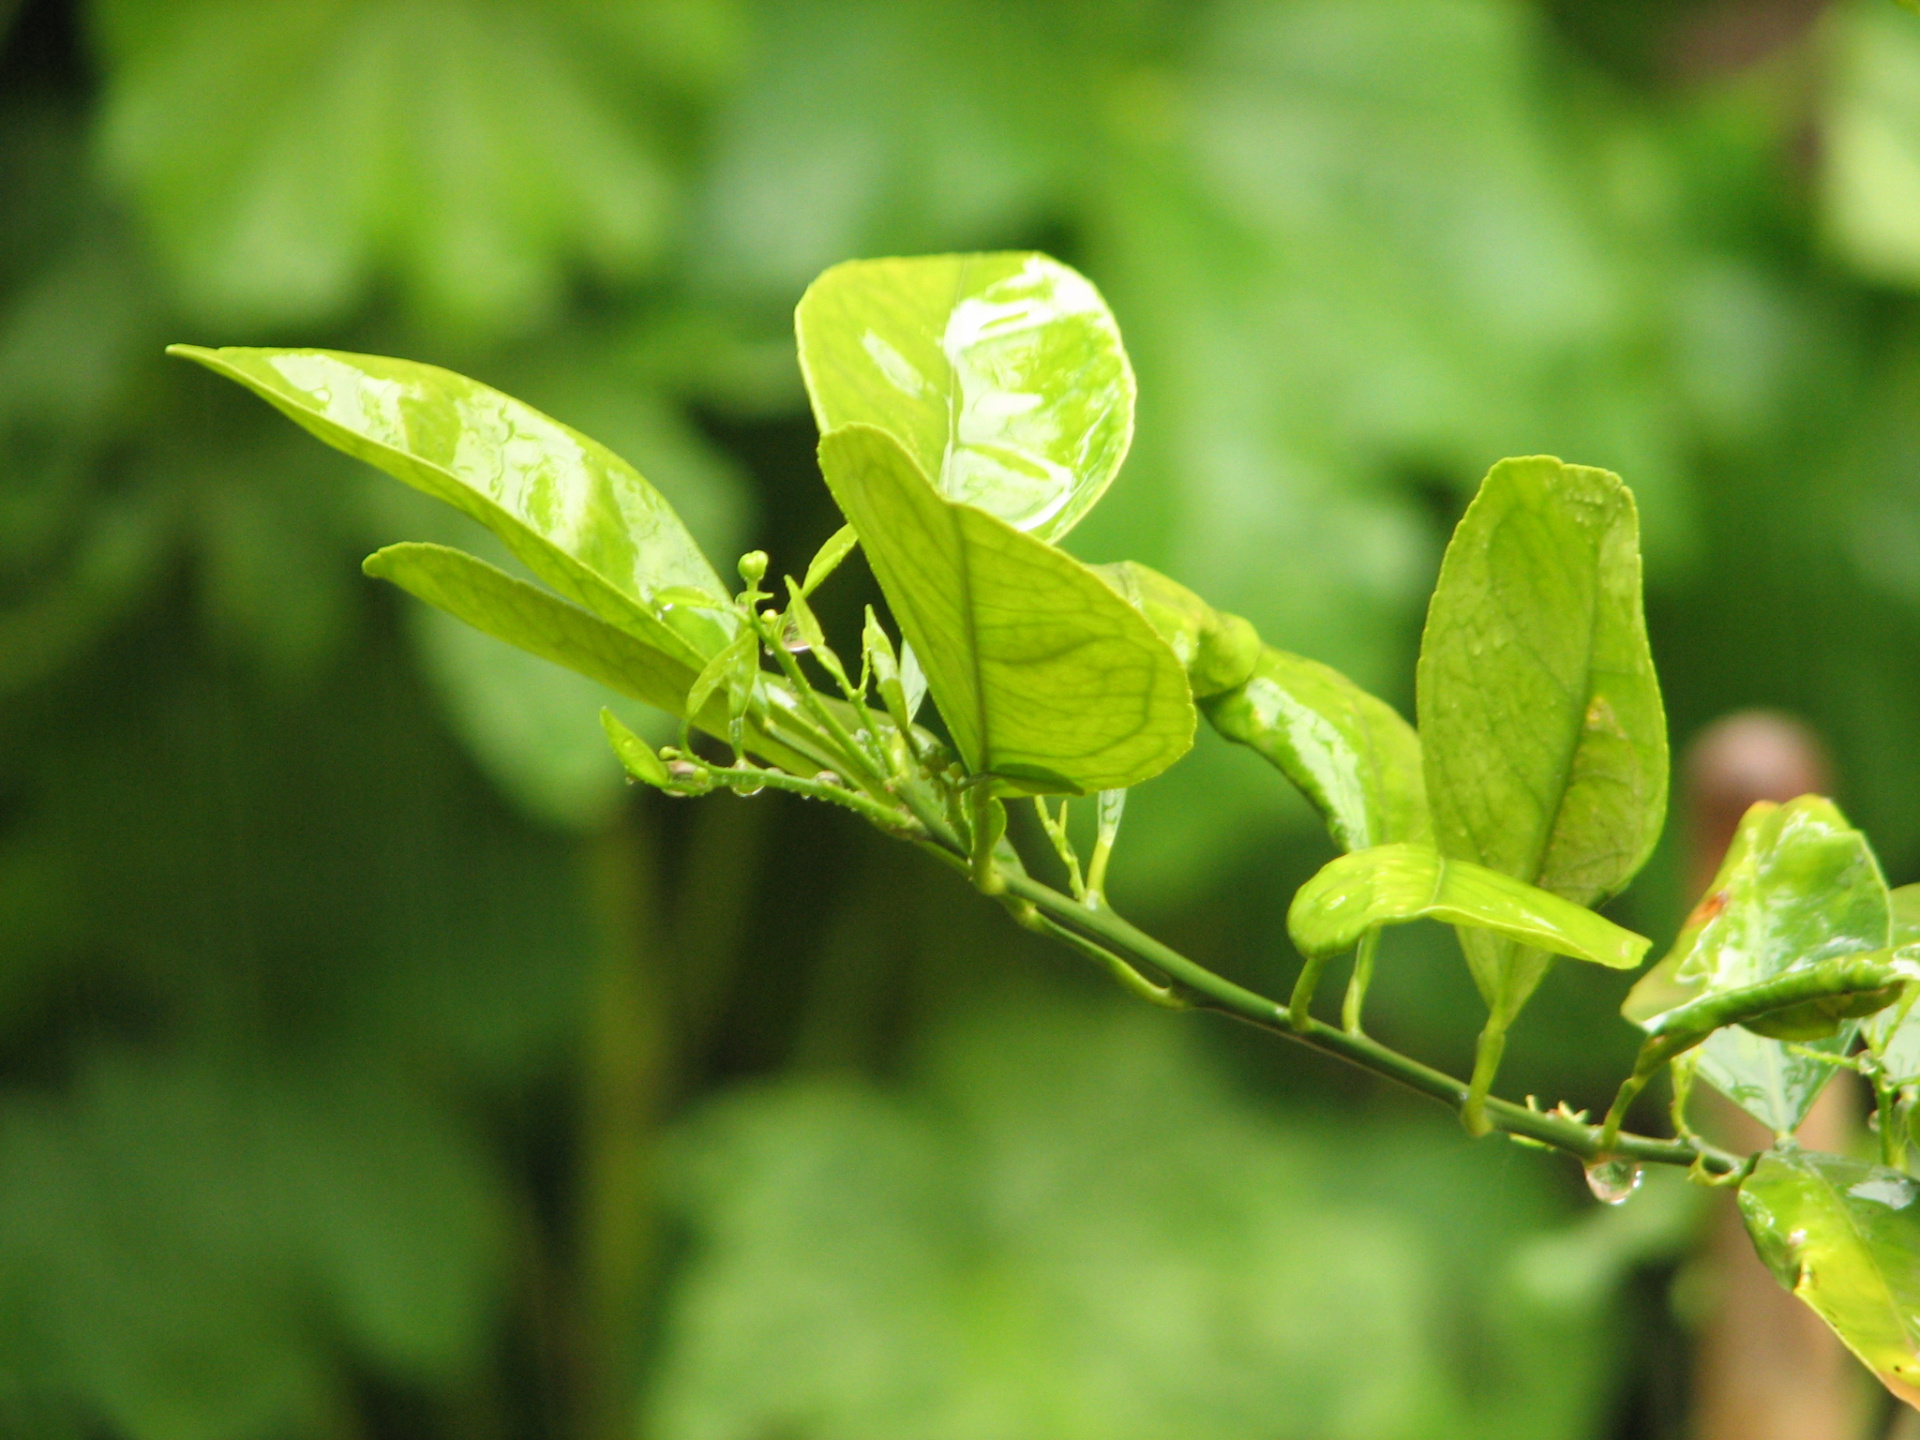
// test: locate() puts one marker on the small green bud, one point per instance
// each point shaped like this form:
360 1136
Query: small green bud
753 566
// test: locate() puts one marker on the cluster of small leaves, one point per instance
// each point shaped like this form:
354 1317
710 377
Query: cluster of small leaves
972 408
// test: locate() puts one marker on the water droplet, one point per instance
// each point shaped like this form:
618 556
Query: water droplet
1613 1181
827 777
791 640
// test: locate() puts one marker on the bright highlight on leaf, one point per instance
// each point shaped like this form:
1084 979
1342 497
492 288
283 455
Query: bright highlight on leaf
1002 375
1799 886
1843 1237
1394 884
574 513
1047 679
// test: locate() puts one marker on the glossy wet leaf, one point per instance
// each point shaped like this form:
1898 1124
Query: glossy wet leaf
637 757
1394 884
1349 753
1844 1237
526 616
1798 886
1001 374
1045 677
1894 1034
1545 746
575 514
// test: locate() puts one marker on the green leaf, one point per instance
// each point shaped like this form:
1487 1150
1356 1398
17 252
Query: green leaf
1349 753
1540 717
575 514
1799 886
1046 678
639 759
1002 375
1218 650
1844 1237
526 616
1894 1034
1393 884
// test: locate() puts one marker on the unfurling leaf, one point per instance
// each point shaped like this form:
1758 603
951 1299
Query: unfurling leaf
1046 678
1545 746
1394 884
1002 375
1844 1237
1894 1034
574 513
1798 887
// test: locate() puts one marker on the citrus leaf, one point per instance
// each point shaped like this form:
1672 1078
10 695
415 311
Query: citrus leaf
524 615
1002 375
1393 884
1047 679
1217 650
637 757
1894 1034
1349 753
1844 1237
575 514
1798 887
1545 746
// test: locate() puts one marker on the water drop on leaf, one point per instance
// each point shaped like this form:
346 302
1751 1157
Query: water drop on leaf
1613 1181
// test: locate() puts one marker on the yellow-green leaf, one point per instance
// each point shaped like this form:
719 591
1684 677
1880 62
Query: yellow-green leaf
1394 884
1046 678
1002 375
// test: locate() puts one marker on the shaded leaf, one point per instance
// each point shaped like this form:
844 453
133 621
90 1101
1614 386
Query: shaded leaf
1798 886
1393 884
1046 678
287 154
1218 650
574 513
1003 375
1545 744
1844 1237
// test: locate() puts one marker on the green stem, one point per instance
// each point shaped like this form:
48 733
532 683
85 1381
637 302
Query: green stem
1300 1004
1487 1051
1206 990
1361 980
862 766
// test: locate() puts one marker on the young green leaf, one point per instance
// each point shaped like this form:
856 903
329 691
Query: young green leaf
577 515
1545 747
637 757
1798 886
1047 679
1393 884
827 559
508 609
1002 375
1844 1237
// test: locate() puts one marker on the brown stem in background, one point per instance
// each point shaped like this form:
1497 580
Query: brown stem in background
1767 1368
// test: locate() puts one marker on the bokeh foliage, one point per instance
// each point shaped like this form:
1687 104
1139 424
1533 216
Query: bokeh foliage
349 998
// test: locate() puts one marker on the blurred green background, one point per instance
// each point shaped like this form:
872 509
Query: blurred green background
374 1064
